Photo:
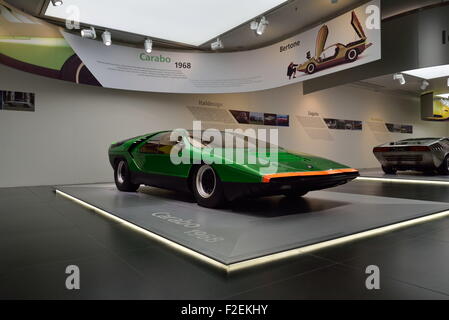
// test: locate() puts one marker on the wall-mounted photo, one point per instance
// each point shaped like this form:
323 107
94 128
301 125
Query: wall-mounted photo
283 120
270 119
256 118
338 124
399 128
241 116
17 101
262 119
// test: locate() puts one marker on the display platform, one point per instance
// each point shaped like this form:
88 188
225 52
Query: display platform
251 229
414 176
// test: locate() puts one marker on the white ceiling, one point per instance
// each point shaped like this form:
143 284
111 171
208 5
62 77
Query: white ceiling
288 20
412 86
430 73
192 22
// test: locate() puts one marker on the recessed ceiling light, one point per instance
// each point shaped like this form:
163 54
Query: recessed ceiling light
424 85
107 38
193 22
430 73
56 3
148 44
218 44
399 77
262 26
254 25
89 33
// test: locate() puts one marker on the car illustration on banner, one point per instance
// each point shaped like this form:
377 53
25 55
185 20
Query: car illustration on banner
326 57
146 160
425 154
33 45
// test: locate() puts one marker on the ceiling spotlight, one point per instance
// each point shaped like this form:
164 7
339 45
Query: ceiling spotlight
217 45
254 25
424 85
262 26
148 44
89 33
56 3
107 38
399 77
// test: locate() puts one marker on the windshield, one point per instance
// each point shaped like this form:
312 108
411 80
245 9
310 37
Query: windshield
230 140
416 141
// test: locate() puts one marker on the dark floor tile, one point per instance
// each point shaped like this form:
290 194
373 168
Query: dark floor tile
41 248
25 218
14 192
421 261
110 234
179 277
382 242
441 233
101 277
336 282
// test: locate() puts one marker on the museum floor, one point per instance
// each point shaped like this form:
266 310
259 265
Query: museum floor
41 233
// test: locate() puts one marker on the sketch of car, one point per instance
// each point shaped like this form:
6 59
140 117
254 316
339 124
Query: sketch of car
146 160
425 154
326 57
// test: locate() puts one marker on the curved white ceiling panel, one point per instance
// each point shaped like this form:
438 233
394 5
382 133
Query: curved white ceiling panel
192 22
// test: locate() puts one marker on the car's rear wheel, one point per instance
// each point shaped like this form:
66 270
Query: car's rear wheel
311 68
122 177
389 170
295 194
207 187
444 168
352 55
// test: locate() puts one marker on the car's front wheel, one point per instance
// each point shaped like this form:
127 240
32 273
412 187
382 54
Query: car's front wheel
352 55
389 170
122 177
444 168
207 187
311 68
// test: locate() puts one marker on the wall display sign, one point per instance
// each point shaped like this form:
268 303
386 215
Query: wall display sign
261 119
338 124
399 128
348 41
17 101
211 114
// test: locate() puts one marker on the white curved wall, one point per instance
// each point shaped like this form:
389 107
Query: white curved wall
66 140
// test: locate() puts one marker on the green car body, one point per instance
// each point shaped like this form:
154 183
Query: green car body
293 173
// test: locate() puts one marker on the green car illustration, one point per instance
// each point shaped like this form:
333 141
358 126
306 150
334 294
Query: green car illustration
155 160
32 45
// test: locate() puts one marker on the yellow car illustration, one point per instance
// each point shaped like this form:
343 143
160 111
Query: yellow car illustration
341 53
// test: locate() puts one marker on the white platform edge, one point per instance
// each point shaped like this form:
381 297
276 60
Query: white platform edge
265 259
403 180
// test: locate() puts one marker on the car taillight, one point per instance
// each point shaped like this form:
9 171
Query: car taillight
381 149
419 149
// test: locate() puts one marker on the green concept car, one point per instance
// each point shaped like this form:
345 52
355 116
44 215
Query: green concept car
148 160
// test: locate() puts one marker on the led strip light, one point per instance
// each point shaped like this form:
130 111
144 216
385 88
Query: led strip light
404 180
265 259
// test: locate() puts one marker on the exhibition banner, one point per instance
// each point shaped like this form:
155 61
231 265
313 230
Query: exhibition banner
348 41
32 45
